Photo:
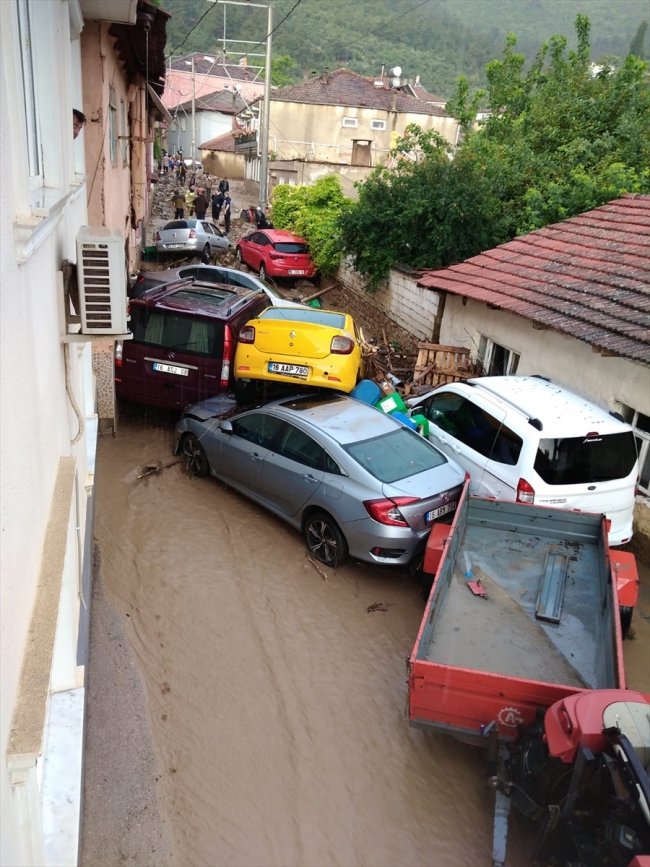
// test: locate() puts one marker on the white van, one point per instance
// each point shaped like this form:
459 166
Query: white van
528 439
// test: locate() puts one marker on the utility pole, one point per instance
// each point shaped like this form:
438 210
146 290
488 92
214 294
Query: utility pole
264 125
193 113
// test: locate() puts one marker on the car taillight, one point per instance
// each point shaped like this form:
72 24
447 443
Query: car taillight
525 492
192 233
341 346
157 239
387 511
227 357
247 334
276 255
119 348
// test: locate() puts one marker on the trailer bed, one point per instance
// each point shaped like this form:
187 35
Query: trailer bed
501 634
478 661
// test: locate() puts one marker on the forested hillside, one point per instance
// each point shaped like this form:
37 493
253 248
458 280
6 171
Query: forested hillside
438 40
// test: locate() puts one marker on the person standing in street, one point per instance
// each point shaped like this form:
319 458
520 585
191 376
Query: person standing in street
178 200
190 195
165 163
217 204
181 173
224 186
200 205
227 206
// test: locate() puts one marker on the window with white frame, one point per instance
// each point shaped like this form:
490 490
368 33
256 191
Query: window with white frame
112 123
378 124
350 122
124 133
497 360
29 89
641 425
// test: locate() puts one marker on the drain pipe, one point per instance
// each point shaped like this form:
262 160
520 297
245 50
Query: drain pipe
71 397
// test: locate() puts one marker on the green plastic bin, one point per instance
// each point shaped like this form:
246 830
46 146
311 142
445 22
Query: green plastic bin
392 403
423 424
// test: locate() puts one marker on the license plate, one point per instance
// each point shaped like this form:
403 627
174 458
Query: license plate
170 368
175 246
288 369
438 513
296 271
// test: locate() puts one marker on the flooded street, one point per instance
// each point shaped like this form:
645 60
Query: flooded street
276 700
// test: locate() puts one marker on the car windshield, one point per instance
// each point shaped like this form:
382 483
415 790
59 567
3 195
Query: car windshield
290 247
170 331
176 224
580 460
396 455
309 314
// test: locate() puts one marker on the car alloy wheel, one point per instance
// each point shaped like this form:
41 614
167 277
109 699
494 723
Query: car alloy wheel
206 255
325 541
238 255
262 272
193 457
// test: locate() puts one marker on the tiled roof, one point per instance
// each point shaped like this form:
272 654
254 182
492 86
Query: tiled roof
224 101
588 276
223 69
224 143
344 87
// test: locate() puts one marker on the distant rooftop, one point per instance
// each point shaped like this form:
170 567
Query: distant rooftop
223 68
224 143
223 101
347 88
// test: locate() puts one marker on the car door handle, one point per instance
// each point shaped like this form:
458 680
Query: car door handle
456 449
256 457
442 440
309 478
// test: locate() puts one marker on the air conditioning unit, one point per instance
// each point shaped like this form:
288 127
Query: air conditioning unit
101 274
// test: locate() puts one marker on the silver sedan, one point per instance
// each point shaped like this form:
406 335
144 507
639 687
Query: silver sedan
193 236
352 479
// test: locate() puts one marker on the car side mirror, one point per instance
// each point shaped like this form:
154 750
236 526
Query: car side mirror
225 426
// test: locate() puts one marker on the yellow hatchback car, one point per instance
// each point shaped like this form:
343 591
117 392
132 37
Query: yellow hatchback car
289 344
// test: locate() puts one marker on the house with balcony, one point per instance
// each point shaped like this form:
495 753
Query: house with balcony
54 187
338 122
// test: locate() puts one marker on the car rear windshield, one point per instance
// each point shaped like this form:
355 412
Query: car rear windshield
171 331
309 314
579 460
176 224
290 247
396 455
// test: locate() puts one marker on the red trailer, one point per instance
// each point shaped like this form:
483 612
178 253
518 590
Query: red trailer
524 613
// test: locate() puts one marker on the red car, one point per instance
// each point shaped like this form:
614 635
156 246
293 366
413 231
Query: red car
276 253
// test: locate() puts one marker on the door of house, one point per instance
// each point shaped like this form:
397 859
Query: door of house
361 155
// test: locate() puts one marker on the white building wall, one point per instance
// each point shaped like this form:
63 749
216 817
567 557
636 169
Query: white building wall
38 228
414 308
611 381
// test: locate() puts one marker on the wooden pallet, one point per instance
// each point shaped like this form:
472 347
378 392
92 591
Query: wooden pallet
437 365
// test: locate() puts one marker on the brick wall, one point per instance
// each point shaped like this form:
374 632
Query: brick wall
417 310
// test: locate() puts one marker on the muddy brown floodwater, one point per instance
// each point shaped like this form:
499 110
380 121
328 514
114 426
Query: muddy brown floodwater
276 700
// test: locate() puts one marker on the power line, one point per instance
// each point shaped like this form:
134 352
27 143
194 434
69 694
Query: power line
386 23
192 29
250 50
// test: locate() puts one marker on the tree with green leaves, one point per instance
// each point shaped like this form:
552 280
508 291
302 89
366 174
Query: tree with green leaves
313 213
564 137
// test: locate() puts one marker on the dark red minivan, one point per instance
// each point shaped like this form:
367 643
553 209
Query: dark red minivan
184 340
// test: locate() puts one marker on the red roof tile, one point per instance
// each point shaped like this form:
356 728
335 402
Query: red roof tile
224 143
347 88
588 276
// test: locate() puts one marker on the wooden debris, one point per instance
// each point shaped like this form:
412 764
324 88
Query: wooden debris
318 569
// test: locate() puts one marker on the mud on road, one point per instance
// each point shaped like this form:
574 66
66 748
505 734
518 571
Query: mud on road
275 698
